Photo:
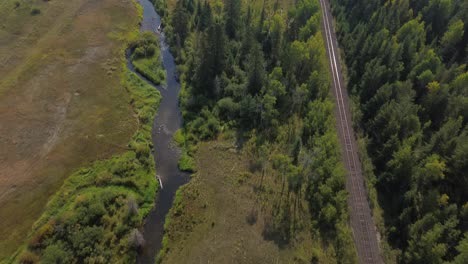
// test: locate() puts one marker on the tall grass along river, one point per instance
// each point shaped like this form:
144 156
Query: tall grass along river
168 120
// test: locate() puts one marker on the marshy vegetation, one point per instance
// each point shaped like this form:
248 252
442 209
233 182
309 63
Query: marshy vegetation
96 215
146 57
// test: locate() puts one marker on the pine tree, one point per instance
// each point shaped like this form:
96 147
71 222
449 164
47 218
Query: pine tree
233 18
256 70
180 23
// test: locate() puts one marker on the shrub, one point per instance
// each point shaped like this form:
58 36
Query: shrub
42 234
56 254
179 137
228 109
145 46
35 11
186 163
29 258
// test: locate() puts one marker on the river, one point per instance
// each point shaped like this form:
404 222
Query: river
167 121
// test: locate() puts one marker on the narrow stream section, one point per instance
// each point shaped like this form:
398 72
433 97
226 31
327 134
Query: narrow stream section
167 121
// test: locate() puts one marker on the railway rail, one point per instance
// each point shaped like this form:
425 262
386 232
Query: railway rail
362 224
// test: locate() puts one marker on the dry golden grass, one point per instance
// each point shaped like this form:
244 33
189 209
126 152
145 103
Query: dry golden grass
221 214
61 101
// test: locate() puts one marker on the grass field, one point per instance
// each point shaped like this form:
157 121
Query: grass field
102 205
61 101
222 215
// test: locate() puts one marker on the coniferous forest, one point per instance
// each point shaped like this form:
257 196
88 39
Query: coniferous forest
406 64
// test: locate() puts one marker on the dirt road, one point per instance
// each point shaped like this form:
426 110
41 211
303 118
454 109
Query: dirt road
362 224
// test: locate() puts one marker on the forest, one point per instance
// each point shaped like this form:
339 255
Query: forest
256 73
259 69
407 73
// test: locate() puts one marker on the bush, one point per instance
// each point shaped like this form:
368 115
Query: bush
35 11
186 163
43 233
29 258
228 109
145 46
179 138
56 254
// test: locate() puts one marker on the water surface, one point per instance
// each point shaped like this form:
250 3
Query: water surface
167 121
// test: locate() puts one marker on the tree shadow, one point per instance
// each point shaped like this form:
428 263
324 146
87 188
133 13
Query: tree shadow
252 217
276 233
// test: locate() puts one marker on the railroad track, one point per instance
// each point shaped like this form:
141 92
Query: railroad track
362 224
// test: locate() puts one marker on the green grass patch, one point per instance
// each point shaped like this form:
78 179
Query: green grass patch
179 138
187 163
151 69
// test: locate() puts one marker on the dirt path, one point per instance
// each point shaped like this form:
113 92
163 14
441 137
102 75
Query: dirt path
363 226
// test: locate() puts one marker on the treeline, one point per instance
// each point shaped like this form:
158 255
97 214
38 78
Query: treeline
260 68
407 69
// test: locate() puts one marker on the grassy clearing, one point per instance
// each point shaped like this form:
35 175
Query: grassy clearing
61 101
223 214
96 214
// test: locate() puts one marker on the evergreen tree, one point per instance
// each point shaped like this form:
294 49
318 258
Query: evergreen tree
205 19
256 70
233 17
180 23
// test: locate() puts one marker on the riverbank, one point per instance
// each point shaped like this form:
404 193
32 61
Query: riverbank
98 212
62 104
166 123
102 207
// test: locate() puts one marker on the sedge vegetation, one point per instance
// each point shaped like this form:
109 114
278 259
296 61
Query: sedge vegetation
146 57
407 72
257 70
96 215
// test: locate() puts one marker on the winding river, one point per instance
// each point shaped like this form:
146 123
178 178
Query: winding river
167 121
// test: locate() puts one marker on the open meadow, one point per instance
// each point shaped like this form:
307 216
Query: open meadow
62 104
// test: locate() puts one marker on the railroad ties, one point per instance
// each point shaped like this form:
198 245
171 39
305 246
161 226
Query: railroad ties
362 224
